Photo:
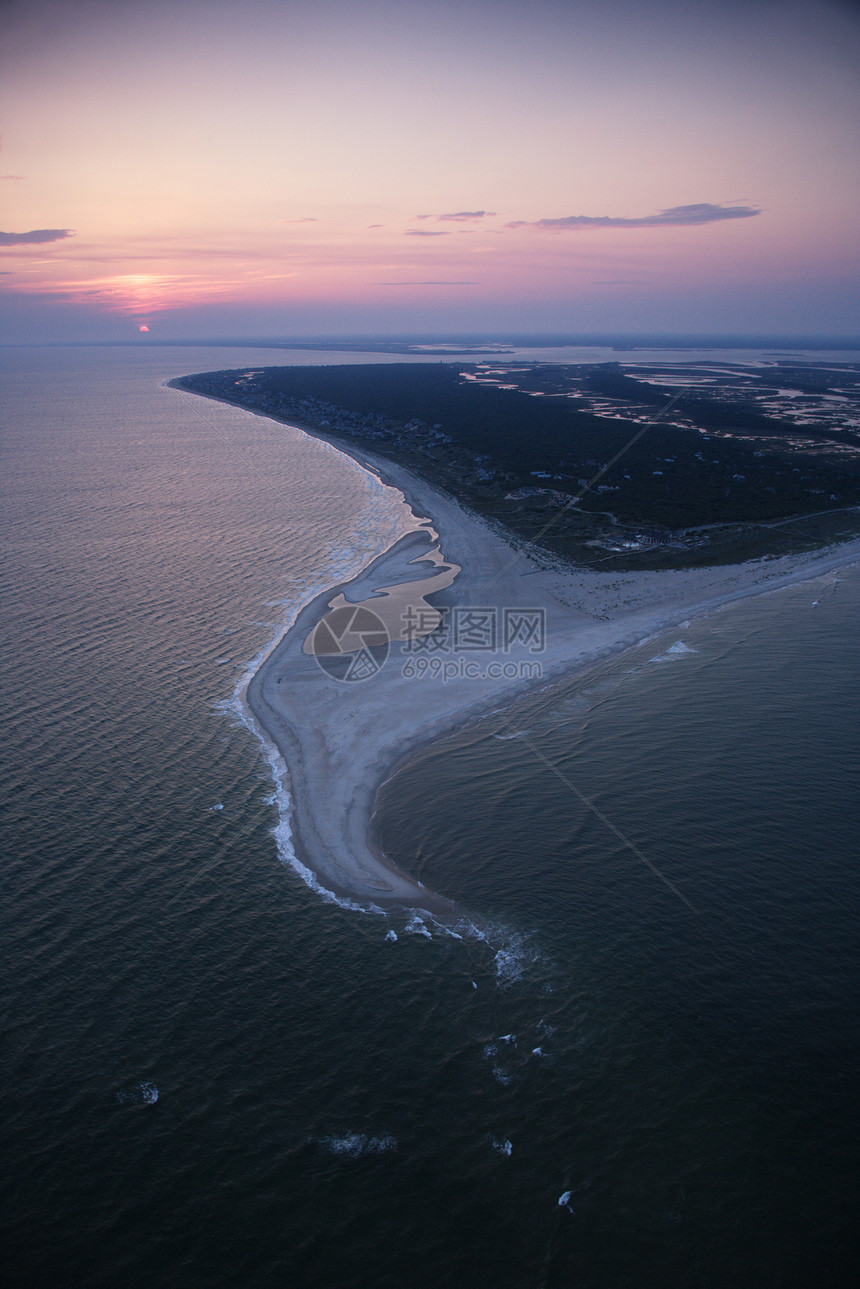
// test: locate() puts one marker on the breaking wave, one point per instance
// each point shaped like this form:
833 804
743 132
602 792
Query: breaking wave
355 1144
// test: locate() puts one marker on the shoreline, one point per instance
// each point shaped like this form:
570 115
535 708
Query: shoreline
332 744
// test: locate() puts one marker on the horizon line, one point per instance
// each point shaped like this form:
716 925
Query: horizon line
550 340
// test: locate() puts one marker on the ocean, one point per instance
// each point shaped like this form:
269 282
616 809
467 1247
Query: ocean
212 1075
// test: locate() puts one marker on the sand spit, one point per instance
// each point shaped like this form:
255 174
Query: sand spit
511 623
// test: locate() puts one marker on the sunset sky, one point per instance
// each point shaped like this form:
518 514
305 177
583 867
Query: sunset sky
288 168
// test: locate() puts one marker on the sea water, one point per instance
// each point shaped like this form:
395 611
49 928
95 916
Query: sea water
213 1076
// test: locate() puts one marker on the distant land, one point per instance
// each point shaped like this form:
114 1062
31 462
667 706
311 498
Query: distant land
648 465
448 344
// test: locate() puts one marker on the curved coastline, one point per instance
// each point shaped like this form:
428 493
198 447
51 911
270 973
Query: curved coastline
339 742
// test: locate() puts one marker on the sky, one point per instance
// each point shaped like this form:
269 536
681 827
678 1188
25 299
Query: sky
384 167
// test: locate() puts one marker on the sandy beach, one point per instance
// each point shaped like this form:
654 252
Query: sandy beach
511 624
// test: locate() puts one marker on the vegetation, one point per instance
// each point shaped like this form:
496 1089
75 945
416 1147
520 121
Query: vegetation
703 472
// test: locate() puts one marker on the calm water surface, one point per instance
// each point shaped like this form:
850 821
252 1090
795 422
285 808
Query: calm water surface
337 1108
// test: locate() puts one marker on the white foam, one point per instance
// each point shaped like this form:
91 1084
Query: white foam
508 966
511 960
502 1076
356 1144
416 926
140 1094
564 1201
673 651
219 805
537 1051
503 1147
392 936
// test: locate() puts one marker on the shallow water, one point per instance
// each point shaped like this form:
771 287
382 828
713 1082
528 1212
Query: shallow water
336 1106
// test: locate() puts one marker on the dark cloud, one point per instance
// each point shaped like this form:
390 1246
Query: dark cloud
11 176
431 283
35 237
309 219
461 216
427 232
375 225
703 212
